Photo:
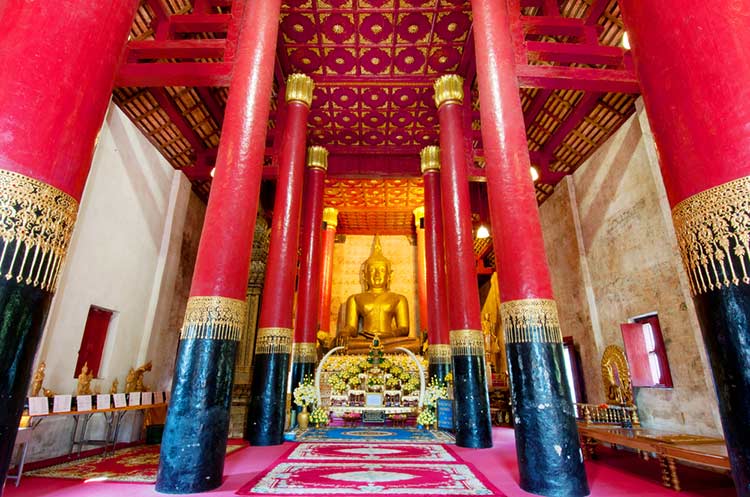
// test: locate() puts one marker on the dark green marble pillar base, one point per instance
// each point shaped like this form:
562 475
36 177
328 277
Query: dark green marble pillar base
472 417
550 461
23 312
195 436
438 370
265 416
725 321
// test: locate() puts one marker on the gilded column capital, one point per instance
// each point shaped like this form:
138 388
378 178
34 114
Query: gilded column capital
214 318
713 233
449 89
317 158
530 320
331 216
274 341
430 157
36 224
418 216
299 88
467 342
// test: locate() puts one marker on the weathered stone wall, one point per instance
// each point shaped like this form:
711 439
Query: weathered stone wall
613 255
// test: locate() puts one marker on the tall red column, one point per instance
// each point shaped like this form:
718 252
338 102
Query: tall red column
438 326
549 456
421 269
55 85
694 75
473 426
273 345
194 442
305 353
330 218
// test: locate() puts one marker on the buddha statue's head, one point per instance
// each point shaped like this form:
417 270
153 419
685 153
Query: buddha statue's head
377 269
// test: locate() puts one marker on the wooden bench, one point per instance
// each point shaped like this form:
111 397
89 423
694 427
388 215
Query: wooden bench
698 450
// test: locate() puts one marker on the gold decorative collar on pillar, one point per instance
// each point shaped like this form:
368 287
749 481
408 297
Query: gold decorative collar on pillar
299 88
449 89
317 158
430 159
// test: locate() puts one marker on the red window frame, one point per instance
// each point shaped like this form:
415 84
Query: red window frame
93 339
644 359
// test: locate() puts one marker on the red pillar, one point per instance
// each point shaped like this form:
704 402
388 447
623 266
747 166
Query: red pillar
438 326
421 269
308 294
694 73
549 455
473 426
55 84
273 345
216 309
330 218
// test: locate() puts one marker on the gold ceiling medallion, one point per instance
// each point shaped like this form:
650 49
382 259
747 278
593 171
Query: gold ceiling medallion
430 159
449 89
713 232
317 158
305 352
214 318
439 353
36 223
274 341
530 321
467 342
299 88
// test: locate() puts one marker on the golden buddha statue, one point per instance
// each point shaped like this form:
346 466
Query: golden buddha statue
36 382
377 311
84 381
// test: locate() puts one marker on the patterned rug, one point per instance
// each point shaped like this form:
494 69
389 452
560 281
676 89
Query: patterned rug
368 470
137 464
374 434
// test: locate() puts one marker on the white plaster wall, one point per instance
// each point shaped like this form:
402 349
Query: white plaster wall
122 257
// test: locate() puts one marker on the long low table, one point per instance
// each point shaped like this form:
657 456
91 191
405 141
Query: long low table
669 447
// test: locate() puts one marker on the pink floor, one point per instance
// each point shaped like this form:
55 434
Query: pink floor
615 474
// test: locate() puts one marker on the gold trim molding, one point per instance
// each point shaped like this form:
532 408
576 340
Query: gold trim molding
449 89
299 88
331 216
530 320
274 341
317 157
305 352
713 232
467 342
214 318
439 353
36 224
430 159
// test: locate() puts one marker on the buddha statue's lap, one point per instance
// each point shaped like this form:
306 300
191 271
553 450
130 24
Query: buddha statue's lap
376 311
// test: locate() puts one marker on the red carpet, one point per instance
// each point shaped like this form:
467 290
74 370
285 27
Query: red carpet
618 475
302 473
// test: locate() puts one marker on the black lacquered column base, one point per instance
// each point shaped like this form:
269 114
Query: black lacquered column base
472 415
265 416
438 370
550 461
725 321
299 371
195 436
23 312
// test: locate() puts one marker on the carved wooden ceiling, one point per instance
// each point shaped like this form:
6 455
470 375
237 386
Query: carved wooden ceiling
374 62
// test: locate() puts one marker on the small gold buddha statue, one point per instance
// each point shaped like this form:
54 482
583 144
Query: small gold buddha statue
84 381
376 312
36 382
114 387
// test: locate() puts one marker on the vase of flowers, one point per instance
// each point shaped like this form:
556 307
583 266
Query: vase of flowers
319 417
303 418
426 417
304 395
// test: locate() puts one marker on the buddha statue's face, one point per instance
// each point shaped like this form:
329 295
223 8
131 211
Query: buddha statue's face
376 275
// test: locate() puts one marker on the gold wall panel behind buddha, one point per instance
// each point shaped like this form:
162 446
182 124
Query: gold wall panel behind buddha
36 223
530 320
713 231
214 318
274 341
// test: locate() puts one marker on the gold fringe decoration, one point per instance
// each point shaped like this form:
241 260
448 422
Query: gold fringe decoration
713 232
274 341
467 342
439 353
305 352
36 224
530 320
214 318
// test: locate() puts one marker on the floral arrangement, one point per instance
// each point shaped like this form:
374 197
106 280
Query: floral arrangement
374 380
426 417
436 390
304 394
449 378
338 385
412 384
319 417
392 382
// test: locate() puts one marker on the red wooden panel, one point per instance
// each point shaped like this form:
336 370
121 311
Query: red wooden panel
92 343
635 349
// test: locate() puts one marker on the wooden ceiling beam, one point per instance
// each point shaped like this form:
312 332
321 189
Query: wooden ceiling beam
176 49
214 109
176 117
578 78
174 74
574 53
